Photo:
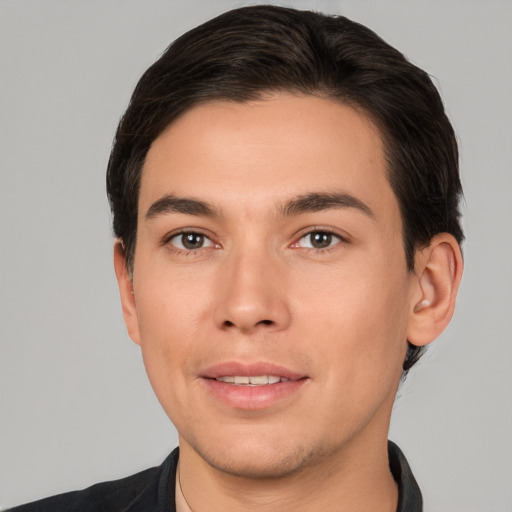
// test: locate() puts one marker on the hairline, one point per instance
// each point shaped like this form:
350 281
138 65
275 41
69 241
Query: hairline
266 94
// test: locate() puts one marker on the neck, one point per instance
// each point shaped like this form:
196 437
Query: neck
352 480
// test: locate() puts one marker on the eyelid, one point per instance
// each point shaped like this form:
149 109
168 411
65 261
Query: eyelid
166 239
206 242
343 237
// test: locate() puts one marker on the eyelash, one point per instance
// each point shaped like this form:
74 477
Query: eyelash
166 241
324 231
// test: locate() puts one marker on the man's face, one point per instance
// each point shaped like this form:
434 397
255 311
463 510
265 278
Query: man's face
269 245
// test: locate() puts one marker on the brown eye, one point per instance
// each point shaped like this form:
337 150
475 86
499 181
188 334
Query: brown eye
190 241
318 240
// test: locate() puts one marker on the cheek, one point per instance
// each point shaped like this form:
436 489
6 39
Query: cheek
360 320
164 342
173 310
169 304
165 322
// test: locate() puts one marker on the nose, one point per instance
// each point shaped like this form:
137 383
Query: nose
252 295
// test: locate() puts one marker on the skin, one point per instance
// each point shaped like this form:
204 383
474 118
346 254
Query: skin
258 291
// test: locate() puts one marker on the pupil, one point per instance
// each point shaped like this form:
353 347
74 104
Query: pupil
192 240
321 240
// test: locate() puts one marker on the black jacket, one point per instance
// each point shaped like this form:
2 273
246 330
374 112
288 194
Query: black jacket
153 490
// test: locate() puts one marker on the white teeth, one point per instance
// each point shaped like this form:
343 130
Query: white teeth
259 380
256 380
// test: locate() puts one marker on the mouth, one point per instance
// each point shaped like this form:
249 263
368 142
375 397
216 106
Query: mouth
250 374
252 386
251 380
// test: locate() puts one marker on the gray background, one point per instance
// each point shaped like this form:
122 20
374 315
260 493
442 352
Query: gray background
75 405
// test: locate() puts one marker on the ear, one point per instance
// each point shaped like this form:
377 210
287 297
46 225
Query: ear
437 275
124 281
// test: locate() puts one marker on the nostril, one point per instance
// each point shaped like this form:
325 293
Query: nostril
229 323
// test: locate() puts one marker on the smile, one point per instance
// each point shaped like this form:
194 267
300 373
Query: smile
252 380
251 386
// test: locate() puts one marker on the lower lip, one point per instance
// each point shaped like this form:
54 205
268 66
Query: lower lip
252 397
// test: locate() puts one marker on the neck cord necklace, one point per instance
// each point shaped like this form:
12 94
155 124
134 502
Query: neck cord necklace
184 500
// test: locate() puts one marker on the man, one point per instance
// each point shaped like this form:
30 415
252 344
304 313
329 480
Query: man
285 191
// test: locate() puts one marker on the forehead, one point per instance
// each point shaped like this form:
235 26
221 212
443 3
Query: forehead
266 151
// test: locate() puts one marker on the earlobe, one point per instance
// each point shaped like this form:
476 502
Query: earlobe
124 282
438 271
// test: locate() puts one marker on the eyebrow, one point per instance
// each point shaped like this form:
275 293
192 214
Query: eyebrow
186 205
318 201
311 202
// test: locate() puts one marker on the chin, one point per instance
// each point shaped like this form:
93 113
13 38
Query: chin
259 460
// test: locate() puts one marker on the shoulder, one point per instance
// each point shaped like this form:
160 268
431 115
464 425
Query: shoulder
409 494
150 490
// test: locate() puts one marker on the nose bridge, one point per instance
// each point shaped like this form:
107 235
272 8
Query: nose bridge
251 292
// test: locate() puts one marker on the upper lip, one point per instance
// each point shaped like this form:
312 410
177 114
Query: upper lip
235 368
